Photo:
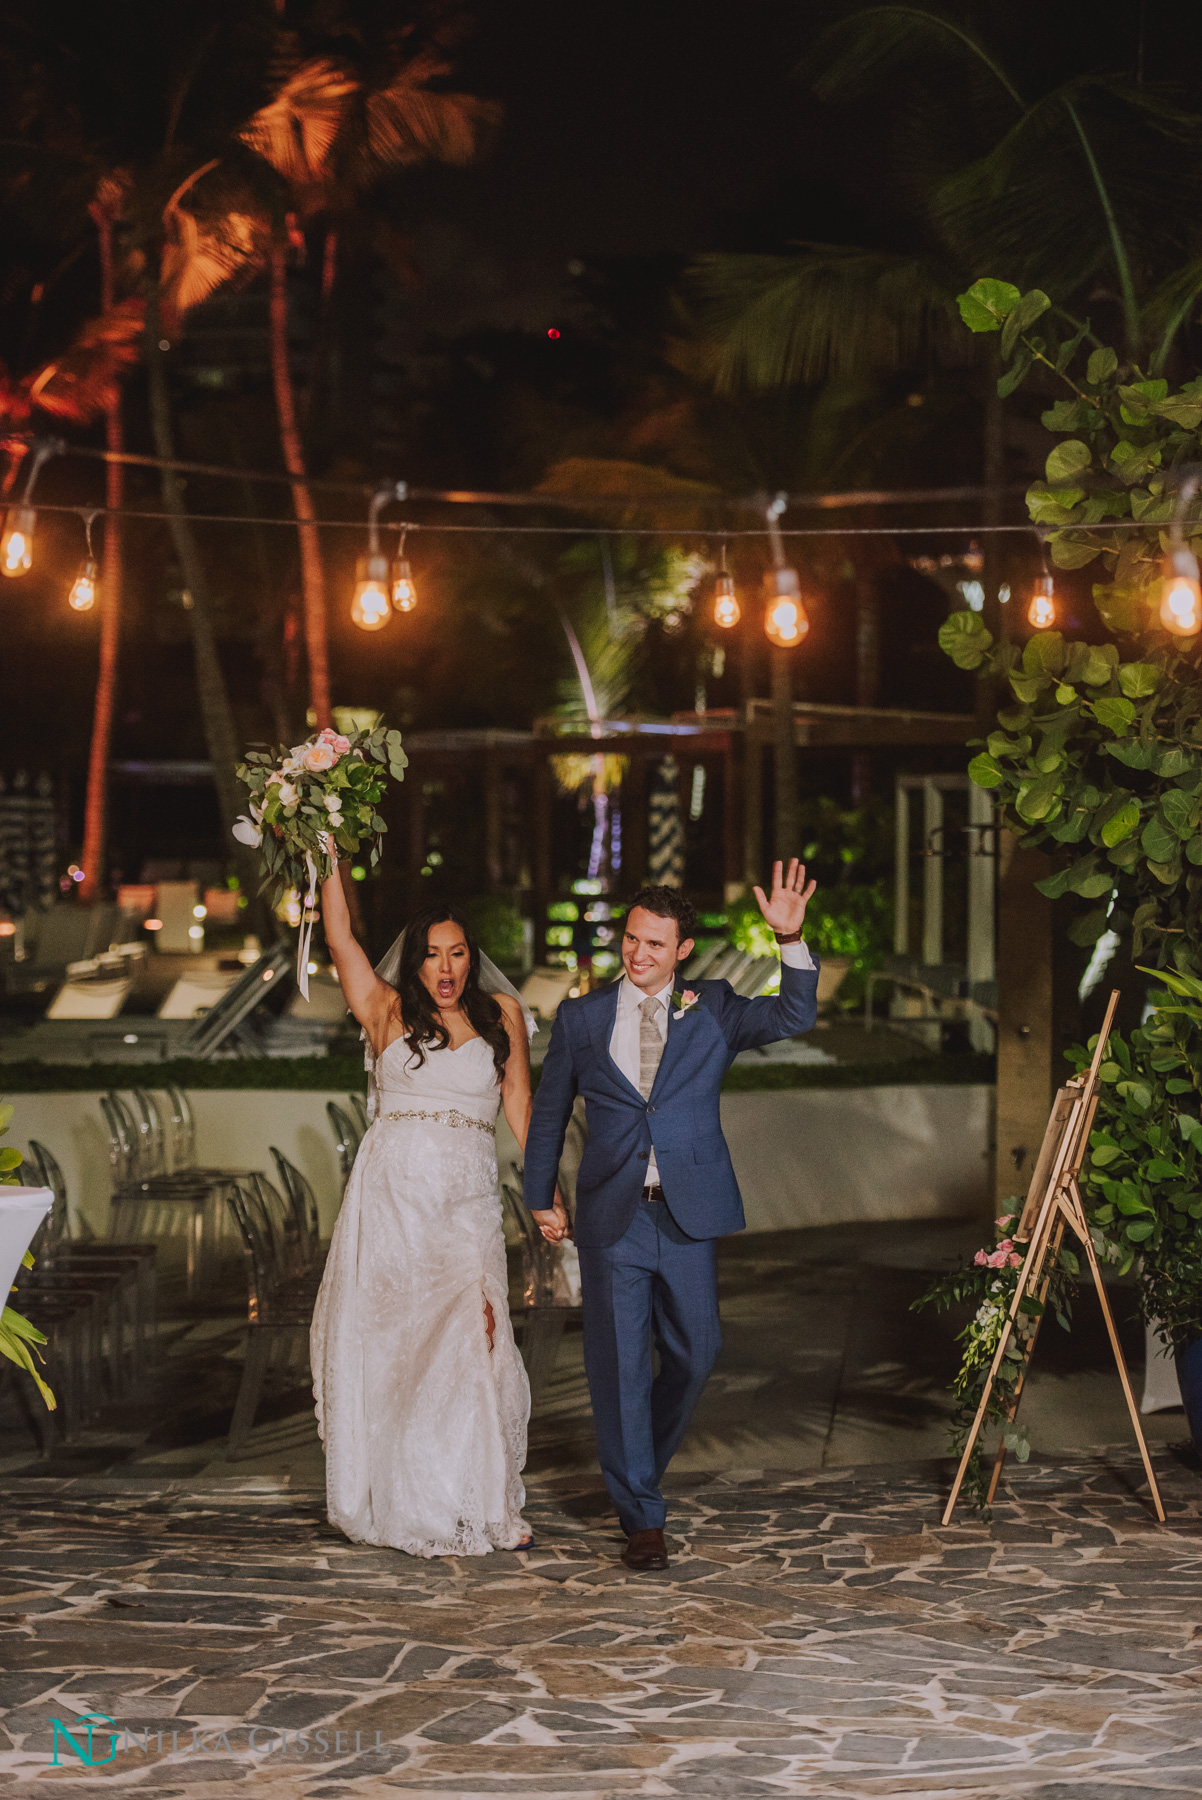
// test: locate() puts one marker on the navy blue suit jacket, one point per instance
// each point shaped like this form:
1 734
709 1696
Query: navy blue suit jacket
680 1118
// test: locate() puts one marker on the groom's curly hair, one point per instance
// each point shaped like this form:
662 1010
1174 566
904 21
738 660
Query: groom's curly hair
668 903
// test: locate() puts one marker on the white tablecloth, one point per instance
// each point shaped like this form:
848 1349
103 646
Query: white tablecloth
22 1210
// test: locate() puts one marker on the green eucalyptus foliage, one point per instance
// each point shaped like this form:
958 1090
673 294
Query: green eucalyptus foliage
1142 1184
1100 756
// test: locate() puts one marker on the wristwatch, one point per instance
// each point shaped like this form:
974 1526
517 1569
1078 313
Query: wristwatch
788 937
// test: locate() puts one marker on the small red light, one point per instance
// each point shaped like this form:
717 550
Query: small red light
552 333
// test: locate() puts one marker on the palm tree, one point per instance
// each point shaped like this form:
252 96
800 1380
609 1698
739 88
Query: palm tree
1088 190
330 131
105 210
74 388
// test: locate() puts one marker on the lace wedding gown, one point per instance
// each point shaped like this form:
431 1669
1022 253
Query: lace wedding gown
424 1426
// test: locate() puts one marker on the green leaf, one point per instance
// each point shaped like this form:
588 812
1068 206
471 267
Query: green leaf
1180 411
1116 715
985 772
987 303
1119 607
1177 807
1066 415
10 1158
1132 753
1072 553
965 639
1013 378
1066 460
1021 317
1120 823
1102 363
1140 1230
1157 841
1053 506
1037 799
1091 882
1043 654
1053 886
1086 930
1138 680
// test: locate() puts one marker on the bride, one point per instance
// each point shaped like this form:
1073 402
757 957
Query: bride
422 1400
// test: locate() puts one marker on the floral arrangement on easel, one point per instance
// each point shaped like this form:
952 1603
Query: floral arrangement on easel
990 1281
300 798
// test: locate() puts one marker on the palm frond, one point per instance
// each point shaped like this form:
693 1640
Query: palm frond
776 320
80 383
1169 309
1078 183
857 54
411 120
203 252
644 487
297 129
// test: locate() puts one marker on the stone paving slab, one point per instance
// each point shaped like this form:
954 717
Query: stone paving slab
818 1634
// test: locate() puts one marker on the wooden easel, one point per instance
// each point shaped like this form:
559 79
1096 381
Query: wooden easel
1054 1202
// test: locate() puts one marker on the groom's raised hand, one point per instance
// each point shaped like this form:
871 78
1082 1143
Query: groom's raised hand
785 908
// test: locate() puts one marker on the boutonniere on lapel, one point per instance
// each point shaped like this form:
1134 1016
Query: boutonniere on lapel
683 1002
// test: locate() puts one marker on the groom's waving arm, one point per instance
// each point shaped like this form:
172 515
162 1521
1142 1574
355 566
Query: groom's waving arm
748 1023
548 1127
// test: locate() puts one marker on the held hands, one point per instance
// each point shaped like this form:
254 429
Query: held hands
785 908
553 1221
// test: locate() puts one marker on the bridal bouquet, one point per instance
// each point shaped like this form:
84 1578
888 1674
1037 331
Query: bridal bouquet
327 787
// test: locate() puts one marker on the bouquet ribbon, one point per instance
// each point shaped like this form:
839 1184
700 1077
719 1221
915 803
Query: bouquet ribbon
306 929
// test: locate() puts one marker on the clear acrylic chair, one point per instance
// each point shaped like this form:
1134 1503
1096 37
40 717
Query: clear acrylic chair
279 1306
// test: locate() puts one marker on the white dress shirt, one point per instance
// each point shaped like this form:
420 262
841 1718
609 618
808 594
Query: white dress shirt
624 1041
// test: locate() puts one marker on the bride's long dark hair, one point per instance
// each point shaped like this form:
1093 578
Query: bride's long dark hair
423 1024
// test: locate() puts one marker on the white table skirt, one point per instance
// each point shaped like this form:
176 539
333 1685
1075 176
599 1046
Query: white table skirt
22 1210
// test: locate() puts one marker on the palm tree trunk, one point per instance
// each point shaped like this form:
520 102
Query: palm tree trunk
95 818
217 718
312 574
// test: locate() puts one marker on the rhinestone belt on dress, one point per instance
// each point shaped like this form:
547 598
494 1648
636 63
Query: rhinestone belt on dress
452 1116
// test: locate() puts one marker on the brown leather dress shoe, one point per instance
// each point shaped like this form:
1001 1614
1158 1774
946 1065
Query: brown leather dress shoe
645 1550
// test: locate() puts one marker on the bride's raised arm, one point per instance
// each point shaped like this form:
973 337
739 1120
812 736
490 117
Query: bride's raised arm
370 999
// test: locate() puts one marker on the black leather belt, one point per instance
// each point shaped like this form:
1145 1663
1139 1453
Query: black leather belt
653 1192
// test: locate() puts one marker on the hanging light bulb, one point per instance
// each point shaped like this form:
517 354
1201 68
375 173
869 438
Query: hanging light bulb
83 589
785 622
370 608
726 605
1181 595
16 545
404 593
726 602
1042 611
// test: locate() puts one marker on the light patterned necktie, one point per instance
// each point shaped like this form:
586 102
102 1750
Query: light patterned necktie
651 1044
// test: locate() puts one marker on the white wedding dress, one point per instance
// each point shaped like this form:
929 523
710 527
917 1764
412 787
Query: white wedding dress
424 1426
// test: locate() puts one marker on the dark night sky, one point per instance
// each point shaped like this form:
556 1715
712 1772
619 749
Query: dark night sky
630 130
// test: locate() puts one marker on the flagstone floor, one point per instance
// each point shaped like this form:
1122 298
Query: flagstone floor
818 1634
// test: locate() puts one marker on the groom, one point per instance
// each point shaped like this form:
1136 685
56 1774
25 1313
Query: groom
656 1188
